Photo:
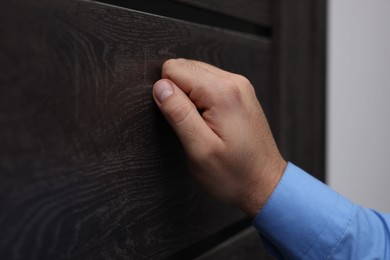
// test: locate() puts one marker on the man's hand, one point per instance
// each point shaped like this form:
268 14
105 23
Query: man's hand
224 132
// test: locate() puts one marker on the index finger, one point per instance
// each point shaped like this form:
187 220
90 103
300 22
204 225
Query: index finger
203 83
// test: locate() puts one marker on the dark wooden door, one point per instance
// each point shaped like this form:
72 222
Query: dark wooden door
89 169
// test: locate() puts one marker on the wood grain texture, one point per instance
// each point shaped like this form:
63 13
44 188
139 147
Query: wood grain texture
89 169
245 245
190 13
299 76
255 11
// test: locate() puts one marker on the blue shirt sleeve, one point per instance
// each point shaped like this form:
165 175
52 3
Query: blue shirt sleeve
305 219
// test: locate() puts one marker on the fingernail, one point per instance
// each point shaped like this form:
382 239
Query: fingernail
162 90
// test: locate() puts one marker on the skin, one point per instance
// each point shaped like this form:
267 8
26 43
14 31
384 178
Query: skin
224 132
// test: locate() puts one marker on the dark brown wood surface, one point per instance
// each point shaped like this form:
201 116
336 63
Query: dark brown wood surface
299 58
192 13
255 11
89 169
246 245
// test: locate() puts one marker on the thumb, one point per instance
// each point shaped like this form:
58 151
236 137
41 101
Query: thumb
183 116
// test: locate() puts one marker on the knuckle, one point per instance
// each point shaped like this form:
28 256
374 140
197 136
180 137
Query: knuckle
232 90
242 80
244 83
182 60
246 86
168 65
228 83
196 70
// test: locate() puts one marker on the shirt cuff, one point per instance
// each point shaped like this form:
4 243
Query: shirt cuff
303 218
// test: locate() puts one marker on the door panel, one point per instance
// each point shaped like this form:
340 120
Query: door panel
244 245
255 11
88 167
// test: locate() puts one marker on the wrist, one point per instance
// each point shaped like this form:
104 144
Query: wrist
262 188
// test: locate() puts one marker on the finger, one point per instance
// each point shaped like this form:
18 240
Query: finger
207 67
183 117
239 79
203 86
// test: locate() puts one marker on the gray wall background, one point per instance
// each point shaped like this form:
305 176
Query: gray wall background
358 108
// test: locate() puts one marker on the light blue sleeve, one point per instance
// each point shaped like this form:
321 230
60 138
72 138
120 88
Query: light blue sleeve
305 219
